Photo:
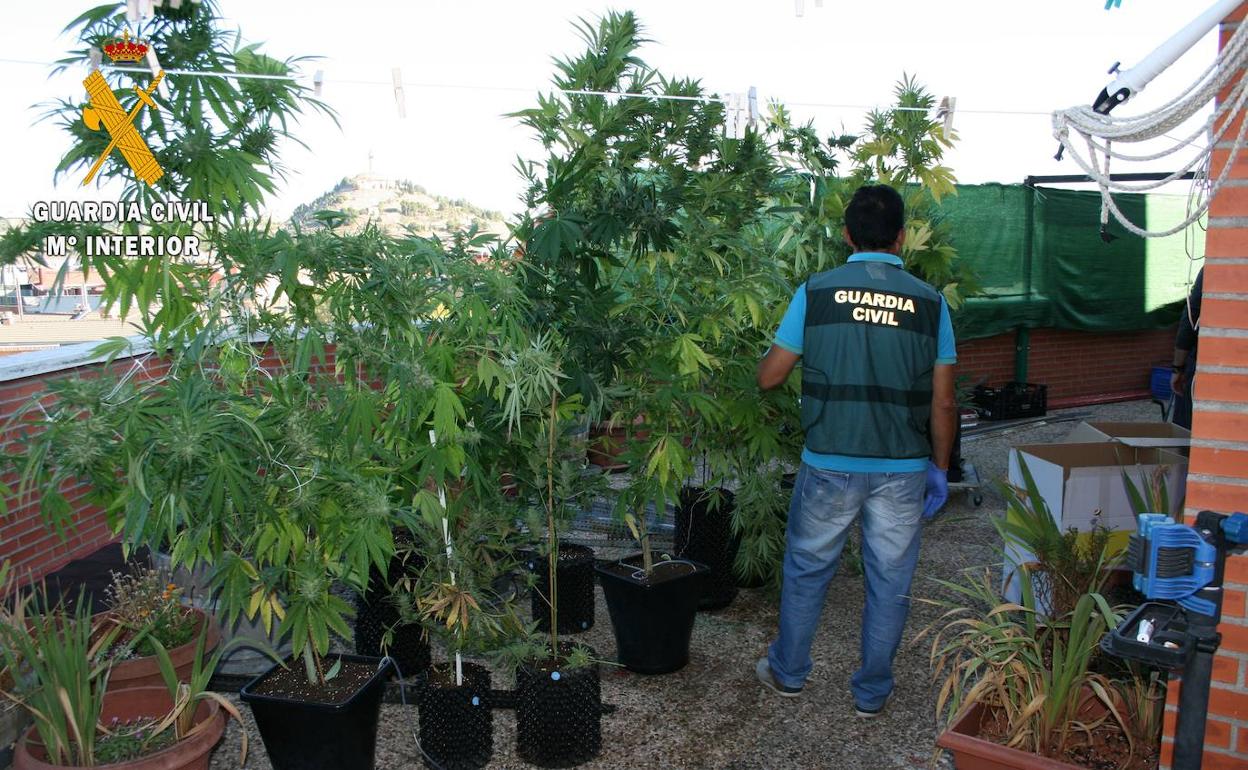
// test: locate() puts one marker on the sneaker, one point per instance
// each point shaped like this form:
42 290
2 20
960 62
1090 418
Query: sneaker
763 670
866 713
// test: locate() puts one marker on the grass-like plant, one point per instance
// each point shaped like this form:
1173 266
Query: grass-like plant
59 675
1035 675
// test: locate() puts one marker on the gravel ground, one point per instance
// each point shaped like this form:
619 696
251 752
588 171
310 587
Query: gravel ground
713 713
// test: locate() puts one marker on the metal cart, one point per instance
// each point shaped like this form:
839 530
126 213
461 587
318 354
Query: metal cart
970 483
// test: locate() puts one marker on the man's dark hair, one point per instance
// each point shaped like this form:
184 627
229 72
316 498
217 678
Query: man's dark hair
874 217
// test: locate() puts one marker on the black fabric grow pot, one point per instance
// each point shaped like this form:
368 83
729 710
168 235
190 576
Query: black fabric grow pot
652 618
704 534
558 714
575 573
456 724
304 735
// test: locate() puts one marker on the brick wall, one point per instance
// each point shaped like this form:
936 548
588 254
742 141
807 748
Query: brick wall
1079 367
1218 474
33 549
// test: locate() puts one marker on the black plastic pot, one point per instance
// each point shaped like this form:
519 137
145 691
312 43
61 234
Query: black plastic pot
558 715
408 645
704 534
652 619
375 614
302 735
575 573
456 724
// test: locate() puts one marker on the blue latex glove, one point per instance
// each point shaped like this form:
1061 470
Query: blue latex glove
937 491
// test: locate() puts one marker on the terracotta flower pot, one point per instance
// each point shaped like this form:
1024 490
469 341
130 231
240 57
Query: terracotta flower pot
970 752
145 672
190 753
607 444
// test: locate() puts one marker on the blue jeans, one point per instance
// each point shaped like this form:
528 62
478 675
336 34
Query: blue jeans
825 504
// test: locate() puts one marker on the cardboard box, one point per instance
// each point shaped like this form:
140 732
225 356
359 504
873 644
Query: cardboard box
1142 434
1077 480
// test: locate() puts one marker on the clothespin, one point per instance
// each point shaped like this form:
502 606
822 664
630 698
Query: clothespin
318 80
154 65
801 8
948 105
96 57
396 75
753 105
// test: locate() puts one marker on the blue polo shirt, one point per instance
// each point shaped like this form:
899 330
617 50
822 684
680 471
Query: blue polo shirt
789 336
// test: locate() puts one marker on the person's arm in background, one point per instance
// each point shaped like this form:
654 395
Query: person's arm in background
944 415
778 364
1185 339
944 425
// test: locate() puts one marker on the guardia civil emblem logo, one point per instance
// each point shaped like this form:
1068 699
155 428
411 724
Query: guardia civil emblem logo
106 111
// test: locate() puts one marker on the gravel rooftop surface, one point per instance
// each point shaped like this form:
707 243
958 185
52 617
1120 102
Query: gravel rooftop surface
714 714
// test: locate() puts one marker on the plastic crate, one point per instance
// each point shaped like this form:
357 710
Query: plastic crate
1159 383
1013 401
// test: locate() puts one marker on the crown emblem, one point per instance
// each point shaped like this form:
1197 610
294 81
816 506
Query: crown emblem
125 49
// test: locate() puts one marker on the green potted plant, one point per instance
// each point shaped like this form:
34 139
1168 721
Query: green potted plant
1022 692
61 678
1021 683
558 692
144 608
467 539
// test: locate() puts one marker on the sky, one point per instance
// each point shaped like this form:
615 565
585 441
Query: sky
1004 55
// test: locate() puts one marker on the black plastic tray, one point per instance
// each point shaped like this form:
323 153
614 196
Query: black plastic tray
1170 625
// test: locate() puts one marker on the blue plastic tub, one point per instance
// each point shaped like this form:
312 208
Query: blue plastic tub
1159 383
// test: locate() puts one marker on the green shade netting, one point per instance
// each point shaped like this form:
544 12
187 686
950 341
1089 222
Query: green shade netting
1041 261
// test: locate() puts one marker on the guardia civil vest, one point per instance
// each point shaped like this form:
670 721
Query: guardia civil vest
868 351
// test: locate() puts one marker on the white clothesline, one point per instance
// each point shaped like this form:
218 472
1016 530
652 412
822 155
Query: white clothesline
308 79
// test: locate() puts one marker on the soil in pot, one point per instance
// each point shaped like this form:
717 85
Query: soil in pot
652 615
456 724
558 713
313 726
144 671
575 573
140 703
704 534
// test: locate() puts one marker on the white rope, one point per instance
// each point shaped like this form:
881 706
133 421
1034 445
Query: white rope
1226 70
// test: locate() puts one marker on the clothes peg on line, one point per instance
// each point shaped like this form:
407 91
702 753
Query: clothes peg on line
948 105
396 77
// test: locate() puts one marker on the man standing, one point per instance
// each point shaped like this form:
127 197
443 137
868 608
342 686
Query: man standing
1183 366
877 354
